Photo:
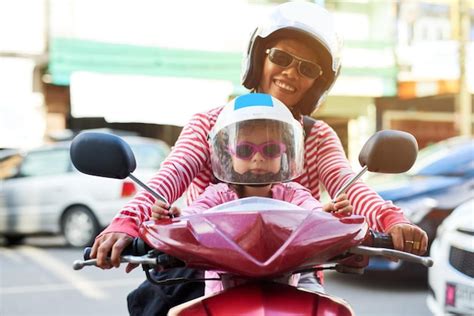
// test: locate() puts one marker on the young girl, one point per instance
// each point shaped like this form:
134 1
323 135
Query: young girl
256 150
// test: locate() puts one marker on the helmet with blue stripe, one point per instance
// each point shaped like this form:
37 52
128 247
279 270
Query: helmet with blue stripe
304 21
256 141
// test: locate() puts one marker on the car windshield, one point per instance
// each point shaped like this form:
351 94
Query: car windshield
35 163
454 156
46 162
9 166
149 156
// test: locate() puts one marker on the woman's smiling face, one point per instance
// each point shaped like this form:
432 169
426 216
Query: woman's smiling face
287 84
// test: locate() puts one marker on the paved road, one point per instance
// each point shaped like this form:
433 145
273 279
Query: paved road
38 280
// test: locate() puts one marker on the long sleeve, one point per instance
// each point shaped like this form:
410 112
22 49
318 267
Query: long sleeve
326 162
187 162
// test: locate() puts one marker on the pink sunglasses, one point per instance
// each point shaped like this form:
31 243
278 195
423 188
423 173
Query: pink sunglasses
269 150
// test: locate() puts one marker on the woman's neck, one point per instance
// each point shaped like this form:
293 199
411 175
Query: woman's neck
263 191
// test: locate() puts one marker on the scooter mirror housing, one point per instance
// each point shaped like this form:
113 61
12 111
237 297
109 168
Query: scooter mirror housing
103 155
389 151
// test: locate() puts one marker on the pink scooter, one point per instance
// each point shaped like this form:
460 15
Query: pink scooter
255 243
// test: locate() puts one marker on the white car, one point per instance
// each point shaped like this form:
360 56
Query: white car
42 193
451 279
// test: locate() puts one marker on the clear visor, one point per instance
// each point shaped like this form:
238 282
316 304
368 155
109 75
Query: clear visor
257 152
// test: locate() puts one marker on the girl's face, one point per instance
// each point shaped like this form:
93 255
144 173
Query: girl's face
258 163
287 84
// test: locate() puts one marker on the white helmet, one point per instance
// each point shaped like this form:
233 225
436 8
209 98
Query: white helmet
256 141
297 20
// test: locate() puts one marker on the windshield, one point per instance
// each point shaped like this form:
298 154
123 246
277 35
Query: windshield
251 204
9 166
454 156
149 155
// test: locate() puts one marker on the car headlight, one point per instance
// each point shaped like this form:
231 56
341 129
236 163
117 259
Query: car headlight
417 209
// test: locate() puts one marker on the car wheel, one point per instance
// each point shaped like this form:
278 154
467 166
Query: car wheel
12 240
79 226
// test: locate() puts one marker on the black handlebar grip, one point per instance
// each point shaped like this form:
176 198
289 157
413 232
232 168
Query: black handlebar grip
138 247
87 253
382 240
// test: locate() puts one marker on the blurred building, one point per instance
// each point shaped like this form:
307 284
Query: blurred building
147 65
23 57
430 84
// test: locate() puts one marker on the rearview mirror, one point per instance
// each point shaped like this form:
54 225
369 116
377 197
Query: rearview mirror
103 155
106 155
389 151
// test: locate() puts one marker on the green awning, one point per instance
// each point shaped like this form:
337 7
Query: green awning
69 55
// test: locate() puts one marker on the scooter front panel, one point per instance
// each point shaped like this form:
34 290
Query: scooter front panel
269 299
262 243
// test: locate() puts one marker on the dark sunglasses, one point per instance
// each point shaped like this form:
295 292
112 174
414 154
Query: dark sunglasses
284 59
269 150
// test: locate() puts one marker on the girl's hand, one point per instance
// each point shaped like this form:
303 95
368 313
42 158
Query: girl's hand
341 207
161 210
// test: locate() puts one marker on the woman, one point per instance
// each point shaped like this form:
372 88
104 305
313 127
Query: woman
294 56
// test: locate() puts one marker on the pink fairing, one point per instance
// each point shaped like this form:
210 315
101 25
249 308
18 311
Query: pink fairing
255 237
218 194
268 299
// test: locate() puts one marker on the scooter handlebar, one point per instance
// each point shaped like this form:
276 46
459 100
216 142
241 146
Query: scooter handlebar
137 252
381 244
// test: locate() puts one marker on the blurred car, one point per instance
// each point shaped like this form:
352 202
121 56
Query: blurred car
42 193
441 179
451 279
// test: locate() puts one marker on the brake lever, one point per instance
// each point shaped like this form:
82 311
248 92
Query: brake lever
371 251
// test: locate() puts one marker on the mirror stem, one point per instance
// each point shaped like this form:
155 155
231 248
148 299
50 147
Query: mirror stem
152 192
349 183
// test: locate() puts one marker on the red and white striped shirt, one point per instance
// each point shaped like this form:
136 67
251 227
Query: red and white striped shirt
188 167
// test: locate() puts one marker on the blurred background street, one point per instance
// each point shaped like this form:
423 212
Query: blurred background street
141 68
38 280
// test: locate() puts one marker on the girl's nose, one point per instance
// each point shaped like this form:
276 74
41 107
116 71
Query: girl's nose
258 157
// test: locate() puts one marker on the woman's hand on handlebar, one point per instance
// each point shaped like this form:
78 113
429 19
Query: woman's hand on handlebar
409 238
113 244
161 210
